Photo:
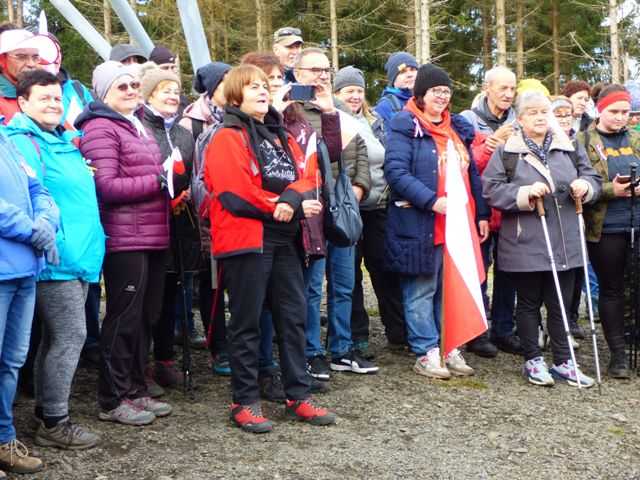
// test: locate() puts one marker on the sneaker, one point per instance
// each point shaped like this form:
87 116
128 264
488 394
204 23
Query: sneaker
249 418
148 404
619 365
576 330
482 346
127 414
271 388
456 364
220 365
306 411
65 435
353 362
166 374
509 344
14 457
429 365
537 372
318 368
567 373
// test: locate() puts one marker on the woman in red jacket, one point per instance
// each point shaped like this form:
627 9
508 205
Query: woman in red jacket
256 173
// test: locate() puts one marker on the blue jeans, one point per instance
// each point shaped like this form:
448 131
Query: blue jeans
17 302
593 285
421 297
313 276
503 299
341 278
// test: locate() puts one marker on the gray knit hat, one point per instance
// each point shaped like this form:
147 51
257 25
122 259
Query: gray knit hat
348 76
105 74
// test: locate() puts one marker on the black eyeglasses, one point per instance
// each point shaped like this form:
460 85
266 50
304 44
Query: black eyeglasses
317 70
288 31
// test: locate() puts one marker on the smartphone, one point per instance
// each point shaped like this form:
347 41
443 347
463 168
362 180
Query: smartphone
302 93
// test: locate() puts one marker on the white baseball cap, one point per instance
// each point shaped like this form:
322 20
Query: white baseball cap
11 40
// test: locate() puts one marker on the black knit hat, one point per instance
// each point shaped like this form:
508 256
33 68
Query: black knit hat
209 76
430 76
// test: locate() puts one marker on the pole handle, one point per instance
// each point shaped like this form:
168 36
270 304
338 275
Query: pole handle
578 206
540 207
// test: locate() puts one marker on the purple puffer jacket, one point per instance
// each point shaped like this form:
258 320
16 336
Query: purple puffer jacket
133 208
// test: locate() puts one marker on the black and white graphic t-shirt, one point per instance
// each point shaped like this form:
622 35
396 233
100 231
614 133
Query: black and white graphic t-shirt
278 169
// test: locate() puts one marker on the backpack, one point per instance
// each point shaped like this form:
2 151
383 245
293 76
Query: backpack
199 192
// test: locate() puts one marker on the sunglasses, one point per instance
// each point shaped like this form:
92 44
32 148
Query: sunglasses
123 87
286 32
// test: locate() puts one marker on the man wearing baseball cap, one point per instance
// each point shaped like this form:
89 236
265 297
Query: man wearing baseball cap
19 52
287 44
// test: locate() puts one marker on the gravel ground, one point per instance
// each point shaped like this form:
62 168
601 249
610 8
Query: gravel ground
391 425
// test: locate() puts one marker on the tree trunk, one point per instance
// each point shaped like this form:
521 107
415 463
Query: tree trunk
260 24
487 36
520 39
19 20
415 18
555 46
425 34
11 12
501 32
133 4
333 18
225 33
106 16
615 41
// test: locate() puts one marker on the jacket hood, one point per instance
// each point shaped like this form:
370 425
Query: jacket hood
97 109
7 89
402 93
23 124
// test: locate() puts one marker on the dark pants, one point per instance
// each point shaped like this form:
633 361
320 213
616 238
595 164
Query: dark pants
503 297
163 330
386 285
609 258
576 296
276 275
534 289
92 313
211 304
134 283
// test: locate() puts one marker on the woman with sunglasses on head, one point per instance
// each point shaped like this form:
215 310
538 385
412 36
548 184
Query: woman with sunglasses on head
134 205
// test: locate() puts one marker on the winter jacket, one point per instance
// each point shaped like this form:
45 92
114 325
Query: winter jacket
354 149
522 246
133 207
8 100
594 213
60 167
22 200
183 218
75 96
391 102
240 206
379 192
411 168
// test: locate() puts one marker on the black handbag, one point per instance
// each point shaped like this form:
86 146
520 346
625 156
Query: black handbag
342 221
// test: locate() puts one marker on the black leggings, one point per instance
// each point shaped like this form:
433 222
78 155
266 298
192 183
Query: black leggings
609 257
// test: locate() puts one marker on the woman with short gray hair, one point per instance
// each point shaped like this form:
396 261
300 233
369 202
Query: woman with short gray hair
536 163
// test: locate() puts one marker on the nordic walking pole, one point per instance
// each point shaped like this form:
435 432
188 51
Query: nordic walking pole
633 345
556 281
592 325
187 385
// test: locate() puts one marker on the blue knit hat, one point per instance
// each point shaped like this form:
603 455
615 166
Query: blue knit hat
209 76
397 62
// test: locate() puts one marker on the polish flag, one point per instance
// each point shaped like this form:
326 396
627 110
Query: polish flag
463 312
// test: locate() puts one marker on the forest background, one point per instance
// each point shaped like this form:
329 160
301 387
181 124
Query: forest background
552 40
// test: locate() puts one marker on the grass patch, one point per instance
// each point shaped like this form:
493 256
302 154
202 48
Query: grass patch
464 382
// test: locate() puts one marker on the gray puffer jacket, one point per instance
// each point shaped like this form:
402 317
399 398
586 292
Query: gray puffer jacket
522 246
379 192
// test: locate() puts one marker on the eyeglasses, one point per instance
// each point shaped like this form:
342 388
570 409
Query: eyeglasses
123 87
286 32
440 92
566 115
317 70
24 58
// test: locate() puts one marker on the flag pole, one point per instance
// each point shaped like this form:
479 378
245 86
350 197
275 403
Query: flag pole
442 364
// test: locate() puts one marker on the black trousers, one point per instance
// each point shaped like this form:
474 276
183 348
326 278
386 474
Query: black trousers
163 329
276 275
211 304
386 285
134 284
609 258
533 289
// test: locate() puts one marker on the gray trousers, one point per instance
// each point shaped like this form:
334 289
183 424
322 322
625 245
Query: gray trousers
60 307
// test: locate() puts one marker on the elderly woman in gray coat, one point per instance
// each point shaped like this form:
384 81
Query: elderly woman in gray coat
539 162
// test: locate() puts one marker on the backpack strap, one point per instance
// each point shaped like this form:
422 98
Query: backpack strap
197 127
77 86
510 160
395 103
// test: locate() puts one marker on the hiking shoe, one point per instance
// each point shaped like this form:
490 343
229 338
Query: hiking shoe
353 362
249 418
153 388
576 330
429 365
66 435
509 344
14 457
482 346
306 411
537 372
148 404
362 346
271 388
456 364
567 373
318 368
166 374
619 365
221 365
127 414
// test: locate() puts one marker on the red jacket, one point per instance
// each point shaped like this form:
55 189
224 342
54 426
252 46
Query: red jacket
239 206
482 155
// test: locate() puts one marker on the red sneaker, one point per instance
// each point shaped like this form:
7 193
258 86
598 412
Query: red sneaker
306 411
249 418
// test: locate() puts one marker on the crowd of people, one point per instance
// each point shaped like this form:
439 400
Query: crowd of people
130 182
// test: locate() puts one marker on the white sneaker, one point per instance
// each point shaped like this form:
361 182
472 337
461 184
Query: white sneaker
429 365
456 364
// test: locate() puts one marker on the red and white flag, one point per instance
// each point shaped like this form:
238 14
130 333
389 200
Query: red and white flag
463 314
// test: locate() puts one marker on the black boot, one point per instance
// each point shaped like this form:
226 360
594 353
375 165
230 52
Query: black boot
576 330
619 365
482 347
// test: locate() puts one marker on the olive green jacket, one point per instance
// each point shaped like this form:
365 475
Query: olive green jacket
594 214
